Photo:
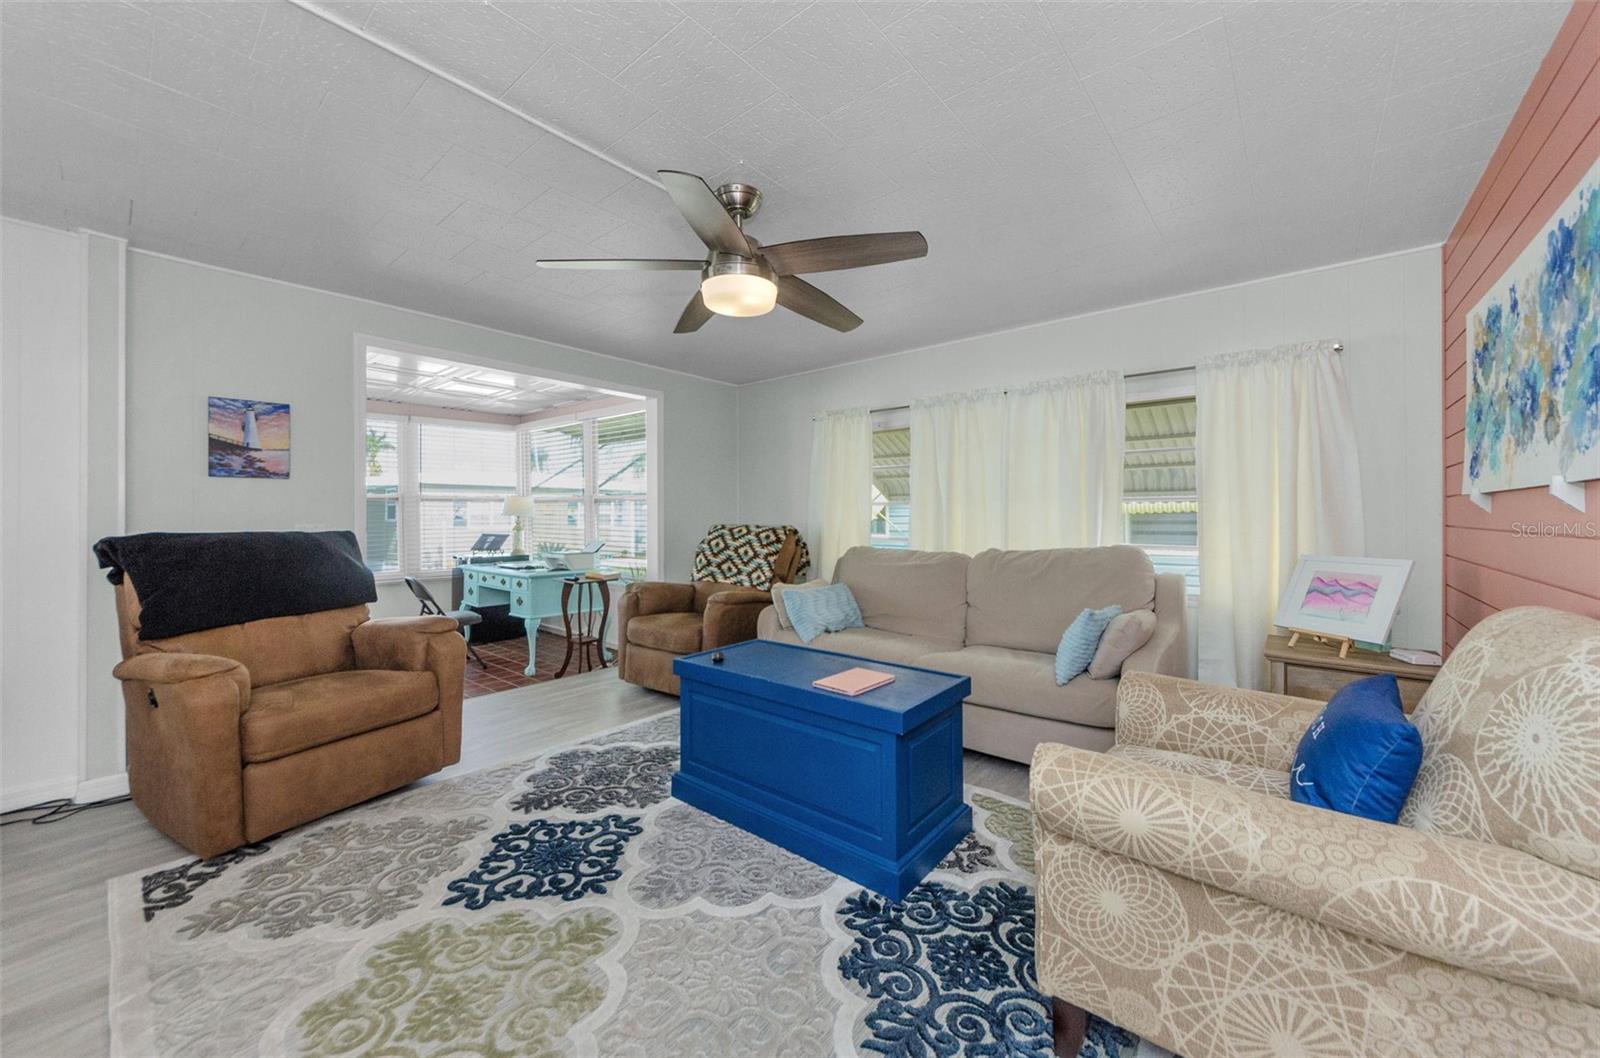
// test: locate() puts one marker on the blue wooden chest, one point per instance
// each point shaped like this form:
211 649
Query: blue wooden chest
868 787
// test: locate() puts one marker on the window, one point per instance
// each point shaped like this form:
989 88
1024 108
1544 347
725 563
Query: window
589 480
891 479
1160 499
383 494
465 471
432 486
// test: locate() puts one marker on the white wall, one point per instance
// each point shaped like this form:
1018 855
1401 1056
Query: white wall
43 559
1385 311
195 331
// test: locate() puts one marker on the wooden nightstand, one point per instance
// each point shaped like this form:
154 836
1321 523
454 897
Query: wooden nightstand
1312 670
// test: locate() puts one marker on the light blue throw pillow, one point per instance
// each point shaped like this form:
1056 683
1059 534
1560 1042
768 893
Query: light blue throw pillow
1080 641
819 610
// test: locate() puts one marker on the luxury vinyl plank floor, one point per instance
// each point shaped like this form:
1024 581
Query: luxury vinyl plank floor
54 947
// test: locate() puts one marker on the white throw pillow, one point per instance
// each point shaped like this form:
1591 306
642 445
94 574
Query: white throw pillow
777 598
1125 634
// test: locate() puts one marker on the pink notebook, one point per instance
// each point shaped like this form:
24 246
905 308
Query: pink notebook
853 681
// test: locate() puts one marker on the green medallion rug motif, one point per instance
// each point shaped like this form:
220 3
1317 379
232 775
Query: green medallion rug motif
567 905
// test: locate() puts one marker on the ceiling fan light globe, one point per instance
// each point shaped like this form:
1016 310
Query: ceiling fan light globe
739 294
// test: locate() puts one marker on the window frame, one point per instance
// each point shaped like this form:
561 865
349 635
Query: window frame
1156 388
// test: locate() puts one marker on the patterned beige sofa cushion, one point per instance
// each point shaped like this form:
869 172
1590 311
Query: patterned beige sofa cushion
1511 739
1210 973
1254 728
1480 907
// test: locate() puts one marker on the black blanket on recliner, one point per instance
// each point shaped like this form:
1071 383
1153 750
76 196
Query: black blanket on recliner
191 581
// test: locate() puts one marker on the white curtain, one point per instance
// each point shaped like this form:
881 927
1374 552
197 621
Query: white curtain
958 472
841 485
1064 472
1275 448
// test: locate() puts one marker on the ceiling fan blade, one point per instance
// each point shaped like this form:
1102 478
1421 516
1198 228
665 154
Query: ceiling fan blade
704 212
629 263
797 295
844 251
695 314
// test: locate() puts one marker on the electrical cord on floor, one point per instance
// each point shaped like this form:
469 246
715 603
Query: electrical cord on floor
55 811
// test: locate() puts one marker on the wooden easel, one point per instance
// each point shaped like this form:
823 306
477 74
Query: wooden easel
1345 643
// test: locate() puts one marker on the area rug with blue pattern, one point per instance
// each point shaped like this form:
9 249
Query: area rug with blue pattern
567 904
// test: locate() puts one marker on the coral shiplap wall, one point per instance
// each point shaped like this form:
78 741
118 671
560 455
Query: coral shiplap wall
1492 560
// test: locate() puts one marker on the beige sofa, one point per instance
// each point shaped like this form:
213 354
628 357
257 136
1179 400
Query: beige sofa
1185 897
998 617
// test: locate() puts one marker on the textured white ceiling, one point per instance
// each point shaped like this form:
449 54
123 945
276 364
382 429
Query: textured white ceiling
1060 157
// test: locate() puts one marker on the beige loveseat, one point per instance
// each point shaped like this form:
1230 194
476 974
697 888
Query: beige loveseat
1185 897
998 617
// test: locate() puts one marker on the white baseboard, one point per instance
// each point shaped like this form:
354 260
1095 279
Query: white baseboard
102 788
15 797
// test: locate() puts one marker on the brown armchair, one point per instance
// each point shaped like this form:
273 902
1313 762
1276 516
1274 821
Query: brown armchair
735 566
240 732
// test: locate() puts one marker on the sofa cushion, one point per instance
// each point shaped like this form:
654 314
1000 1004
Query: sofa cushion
873 643
1125 634
778 592
915 593
276 649
1026 599
830 609
678 633
1024 681
295 715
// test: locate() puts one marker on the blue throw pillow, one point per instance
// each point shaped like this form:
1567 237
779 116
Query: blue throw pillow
819 610
1080 641
1361 755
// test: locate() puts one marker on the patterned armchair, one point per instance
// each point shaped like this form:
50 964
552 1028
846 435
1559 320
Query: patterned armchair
735 567
1183 896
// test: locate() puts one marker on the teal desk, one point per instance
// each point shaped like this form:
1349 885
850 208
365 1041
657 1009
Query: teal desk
532 594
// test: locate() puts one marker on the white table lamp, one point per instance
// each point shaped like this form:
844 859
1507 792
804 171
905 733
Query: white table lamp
519 507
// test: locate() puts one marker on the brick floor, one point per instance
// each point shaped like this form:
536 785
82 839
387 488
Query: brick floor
505 660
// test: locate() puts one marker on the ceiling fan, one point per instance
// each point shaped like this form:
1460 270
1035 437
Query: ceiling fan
741 277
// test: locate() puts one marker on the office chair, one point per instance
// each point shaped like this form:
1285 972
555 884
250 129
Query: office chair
464 619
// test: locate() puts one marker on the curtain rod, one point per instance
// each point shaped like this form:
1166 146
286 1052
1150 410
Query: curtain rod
1338 347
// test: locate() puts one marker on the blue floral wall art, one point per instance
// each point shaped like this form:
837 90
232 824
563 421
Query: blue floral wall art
1533 358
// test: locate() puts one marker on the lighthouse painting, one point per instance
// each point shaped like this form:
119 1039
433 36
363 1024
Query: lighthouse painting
247 438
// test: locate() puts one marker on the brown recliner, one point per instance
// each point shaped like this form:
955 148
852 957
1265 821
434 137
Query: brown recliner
240 732
658 621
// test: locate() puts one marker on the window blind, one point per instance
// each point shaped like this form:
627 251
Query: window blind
383 494
464 473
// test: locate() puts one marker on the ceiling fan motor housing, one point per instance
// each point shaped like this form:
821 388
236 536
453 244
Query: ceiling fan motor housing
728 264
741 200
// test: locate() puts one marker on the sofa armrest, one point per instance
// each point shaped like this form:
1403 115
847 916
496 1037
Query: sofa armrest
421 644
159 670
185 763
1258 728
1484 908
399 643
1168 649
731 616
767 626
